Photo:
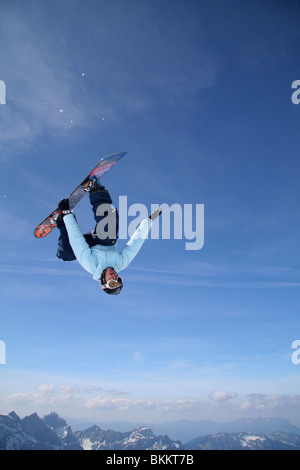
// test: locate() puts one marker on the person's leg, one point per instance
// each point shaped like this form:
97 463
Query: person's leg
64 249
107 219
97 198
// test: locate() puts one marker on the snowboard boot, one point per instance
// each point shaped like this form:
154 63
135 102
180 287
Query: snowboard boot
91 185
57 220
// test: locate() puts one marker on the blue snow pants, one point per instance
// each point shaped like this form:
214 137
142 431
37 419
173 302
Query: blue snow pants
64 249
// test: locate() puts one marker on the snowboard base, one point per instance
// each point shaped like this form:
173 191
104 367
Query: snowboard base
102 167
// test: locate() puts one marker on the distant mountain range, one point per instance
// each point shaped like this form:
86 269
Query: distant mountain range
34 433
142 438
185 430
53 433
246 441
188 430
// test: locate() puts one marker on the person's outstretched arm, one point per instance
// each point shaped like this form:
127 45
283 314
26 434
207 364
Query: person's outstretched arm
136 241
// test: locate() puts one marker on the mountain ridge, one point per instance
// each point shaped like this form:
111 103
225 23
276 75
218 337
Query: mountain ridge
186 430
245 441
52 432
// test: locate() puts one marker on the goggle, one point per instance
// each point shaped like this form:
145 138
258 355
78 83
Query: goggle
113 283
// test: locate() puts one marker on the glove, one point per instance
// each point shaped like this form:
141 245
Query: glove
155 214
64 206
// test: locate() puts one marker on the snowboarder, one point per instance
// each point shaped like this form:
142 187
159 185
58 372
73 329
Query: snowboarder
96 251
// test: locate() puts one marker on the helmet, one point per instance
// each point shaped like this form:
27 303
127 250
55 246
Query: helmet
112 286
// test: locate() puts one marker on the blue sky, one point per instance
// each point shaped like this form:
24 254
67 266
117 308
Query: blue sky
199 95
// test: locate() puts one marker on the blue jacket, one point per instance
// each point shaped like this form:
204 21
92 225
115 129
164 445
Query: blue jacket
99 257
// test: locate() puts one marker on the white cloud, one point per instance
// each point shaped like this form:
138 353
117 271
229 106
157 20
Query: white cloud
261 402
37 270
68 389
114 392
40 83
46 395
221 405
34 400
47 93
137 356
246 405
46 388
124 404
226 276
92 388
222 395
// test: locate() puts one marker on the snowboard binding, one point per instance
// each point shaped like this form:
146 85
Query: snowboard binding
91 185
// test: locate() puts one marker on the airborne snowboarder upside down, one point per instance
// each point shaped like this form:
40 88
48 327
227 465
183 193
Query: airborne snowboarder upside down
96 251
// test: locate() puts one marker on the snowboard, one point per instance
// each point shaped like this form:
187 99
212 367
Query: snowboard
102 167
